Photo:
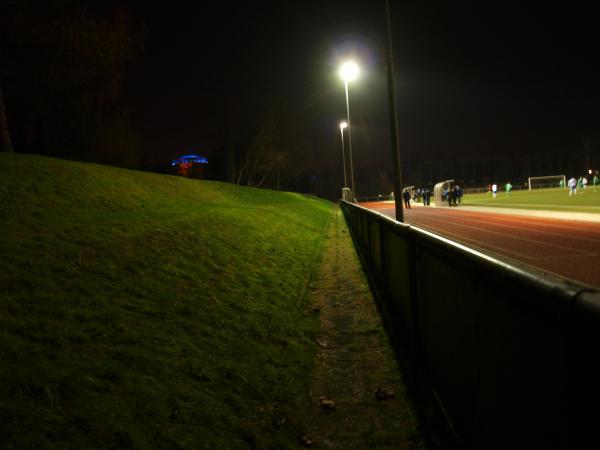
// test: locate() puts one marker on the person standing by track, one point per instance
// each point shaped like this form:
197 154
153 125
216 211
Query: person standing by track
406 197
426 195
459 194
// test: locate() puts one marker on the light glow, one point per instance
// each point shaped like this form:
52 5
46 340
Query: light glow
185 159
349 71
343 125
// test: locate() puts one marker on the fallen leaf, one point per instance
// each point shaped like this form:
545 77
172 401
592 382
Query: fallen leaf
322 342
326 403
306 442
384 394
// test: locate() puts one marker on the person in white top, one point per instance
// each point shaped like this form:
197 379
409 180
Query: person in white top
572 184
494 189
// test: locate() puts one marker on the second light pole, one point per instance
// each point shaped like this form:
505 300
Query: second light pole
349 72
342 126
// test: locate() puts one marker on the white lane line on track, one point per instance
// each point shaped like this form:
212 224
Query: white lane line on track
499 249
478 244
533 241
520 259
540 206
591 255
470 218
552 222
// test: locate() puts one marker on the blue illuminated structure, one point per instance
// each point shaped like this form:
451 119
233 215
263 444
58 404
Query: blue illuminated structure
189 159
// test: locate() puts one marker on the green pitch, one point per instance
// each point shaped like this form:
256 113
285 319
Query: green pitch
541 199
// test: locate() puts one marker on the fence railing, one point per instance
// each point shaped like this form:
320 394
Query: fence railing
375 198
511 354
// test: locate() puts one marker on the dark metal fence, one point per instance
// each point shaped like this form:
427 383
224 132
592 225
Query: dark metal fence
511 354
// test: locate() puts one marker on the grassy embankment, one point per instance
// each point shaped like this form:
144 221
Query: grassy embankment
540 199
148 311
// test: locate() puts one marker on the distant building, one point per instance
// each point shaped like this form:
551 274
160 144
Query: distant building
191 166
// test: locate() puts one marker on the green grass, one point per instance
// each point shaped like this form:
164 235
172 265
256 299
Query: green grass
540 199
147 311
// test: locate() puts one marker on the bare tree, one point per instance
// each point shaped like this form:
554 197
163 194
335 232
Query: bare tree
265 157
62 70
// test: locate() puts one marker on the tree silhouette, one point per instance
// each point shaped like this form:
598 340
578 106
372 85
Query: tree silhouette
273 153
5 141
62 68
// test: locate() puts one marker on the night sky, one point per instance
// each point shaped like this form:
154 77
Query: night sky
470 80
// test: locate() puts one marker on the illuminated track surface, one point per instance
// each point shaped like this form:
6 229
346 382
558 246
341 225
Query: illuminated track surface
568 248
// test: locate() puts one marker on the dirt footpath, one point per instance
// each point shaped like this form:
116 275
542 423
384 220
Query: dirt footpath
359 399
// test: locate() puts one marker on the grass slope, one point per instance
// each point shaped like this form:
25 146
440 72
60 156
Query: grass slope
541 199
148 311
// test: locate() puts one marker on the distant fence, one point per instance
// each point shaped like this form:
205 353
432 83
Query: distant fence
512 355
375 198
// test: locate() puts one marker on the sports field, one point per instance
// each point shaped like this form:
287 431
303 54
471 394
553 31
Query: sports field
540 199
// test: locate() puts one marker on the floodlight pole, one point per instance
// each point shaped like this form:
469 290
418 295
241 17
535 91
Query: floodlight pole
393 119
343 156
349 139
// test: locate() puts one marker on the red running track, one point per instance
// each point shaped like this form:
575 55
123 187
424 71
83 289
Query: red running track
568 248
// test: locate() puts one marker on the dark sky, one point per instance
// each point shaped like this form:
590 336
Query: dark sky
470 79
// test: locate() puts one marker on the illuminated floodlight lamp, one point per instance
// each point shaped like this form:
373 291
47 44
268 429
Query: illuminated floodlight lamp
349 71
343 125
